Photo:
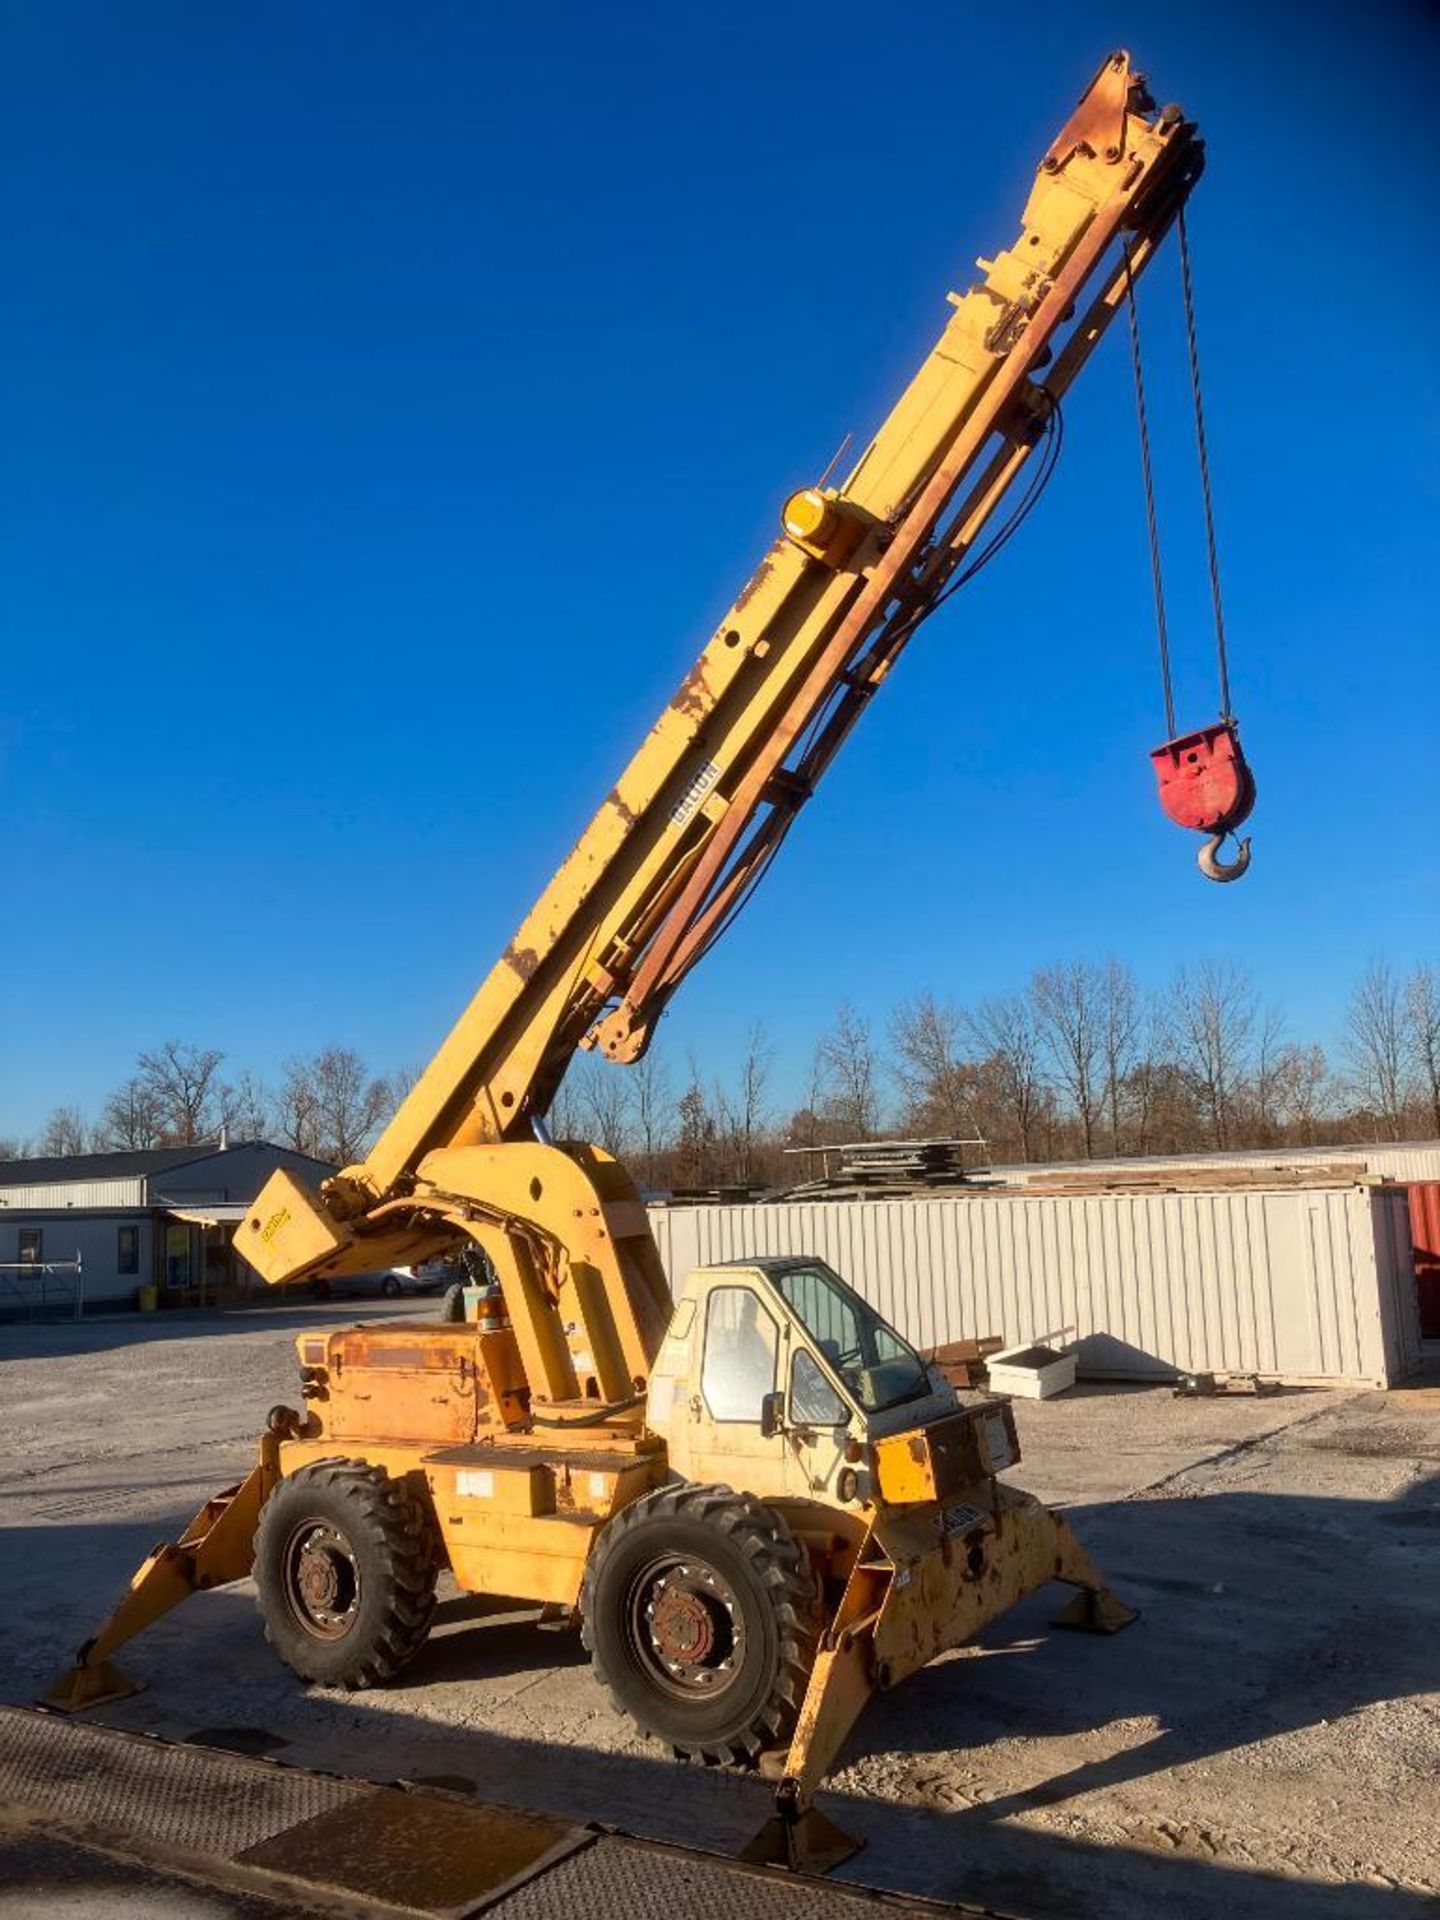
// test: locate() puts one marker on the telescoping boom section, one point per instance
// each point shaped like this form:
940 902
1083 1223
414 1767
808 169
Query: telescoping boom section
758 1501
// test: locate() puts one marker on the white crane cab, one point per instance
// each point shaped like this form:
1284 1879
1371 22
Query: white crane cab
775 1375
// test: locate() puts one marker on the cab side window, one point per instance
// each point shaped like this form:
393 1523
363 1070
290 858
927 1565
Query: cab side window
813 1401
741 1342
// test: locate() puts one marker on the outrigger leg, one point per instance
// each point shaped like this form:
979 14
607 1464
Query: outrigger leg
215 1548
909 1598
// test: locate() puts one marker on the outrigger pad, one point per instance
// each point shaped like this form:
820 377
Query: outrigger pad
811 1844
1095 1611
85 1686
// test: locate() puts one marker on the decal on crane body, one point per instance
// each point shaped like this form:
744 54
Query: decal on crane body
695 793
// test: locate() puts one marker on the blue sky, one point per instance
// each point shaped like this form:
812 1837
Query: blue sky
395 397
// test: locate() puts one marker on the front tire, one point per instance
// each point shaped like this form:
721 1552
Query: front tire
699 1612
390 1287
345 1565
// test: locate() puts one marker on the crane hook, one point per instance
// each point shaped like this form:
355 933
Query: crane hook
1223 870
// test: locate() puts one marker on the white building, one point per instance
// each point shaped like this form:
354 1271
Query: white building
161 1217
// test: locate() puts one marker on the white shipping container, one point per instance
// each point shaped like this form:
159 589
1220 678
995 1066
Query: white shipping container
1314 1284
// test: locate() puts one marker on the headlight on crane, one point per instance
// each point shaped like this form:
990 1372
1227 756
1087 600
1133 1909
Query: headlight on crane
823 526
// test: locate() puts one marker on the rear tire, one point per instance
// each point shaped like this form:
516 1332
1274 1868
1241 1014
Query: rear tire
345 1564
452 1304
699 1612
390 1288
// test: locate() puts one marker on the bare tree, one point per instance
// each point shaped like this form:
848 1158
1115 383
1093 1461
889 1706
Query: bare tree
1271 1049
1211 1018
852 1098
1070 1013
602 1103
65 1133
806 1126
695 1158
936 1082
1122 1019
183 1083
330 1105
1144 1089
740 1114
563 1117
244 1107
1301 1091
1375 1046
1422 1018
653 1105
131 1116
296 1119
12 1147
1004 1030
400 1082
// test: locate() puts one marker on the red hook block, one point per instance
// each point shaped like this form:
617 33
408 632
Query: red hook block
1205 782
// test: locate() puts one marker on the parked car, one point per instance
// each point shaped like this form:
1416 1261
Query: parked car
446 1274
430 1277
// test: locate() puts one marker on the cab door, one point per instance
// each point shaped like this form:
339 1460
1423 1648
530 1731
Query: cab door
741 1349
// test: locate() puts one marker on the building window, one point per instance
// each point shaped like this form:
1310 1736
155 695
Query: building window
32 1245
127 1252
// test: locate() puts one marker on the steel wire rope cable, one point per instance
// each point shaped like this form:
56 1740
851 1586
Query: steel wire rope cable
1054 441
1211 549
1151 521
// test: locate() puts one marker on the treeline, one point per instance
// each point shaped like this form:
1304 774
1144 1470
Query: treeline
328 1104
1081 1061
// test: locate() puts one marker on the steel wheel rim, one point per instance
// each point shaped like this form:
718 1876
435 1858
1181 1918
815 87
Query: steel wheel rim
322 1580
685 1627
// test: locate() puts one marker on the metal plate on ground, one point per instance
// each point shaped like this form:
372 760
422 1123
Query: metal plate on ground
631 1881
282 1834
409 1850
173 1796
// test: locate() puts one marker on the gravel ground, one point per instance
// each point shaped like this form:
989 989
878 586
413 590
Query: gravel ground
1266 1739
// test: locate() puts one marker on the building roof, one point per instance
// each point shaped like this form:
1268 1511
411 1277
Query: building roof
128 1164
123 1165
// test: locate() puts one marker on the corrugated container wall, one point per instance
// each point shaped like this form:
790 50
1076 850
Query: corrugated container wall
1311 1284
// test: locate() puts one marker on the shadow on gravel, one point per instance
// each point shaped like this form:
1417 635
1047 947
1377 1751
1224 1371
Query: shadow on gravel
1264 1616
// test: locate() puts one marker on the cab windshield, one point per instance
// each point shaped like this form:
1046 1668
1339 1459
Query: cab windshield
877 1368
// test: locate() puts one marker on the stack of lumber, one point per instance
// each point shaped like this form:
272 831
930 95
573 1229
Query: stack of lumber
891 1169
963 1361
918 1161
1212 1179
